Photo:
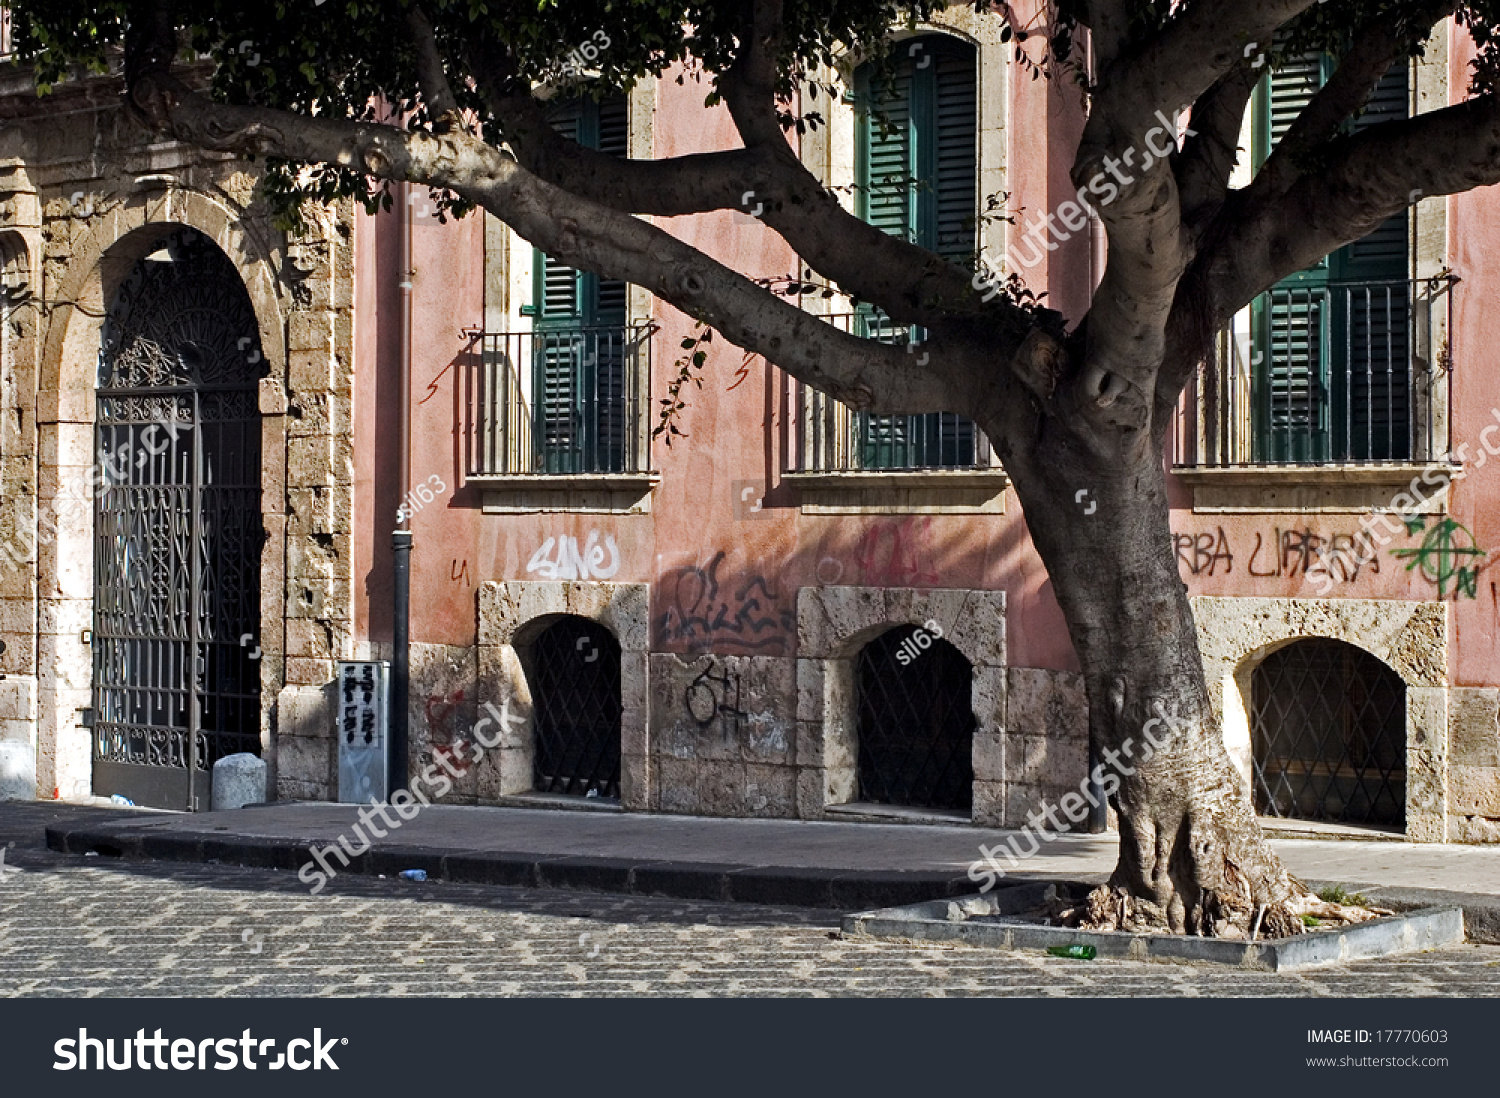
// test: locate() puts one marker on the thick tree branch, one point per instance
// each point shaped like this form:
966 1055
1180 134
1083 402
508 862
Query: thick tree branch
1182 61
1364 179
1109 30
909 282
667 187
441 103
862 373
1371 56
1148 247
1209 156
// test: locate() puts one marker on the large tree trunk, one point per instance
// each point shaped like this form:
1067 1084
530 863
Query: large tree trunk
1192 856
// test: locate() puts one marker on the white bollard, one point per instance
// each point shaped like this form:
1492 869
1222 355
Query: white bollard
238 780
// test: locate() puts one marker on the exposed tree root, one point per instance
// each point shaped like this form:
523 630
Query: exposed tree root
1110 907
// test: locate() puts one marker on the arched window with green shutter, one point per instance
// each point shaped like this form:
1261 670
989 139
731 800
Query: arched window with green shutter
916 169
579 320
1331 358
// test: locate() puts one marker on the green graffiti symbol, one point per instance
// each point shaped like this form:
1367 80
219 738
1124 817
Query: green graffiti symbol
1441 556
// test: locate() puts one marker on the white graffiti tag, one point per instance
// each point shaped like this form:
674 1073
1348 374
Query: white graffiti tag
572 563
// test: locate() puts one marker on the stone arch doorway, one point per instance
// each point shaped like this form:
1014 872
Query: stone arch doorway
1328 735
177 527
915 722
574 670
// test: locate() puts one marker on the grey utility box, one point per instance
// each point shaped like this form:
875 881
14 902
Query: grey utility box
364 705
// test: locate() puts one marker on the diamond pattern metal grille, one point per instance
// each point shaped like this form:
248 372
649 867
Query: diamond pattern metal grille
577 712
916 723
1329 730
178 533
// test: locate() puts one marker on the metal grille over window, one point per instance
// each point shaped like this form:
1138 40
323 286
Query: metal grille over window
561 400
916 172
916 722
1343 363
1329 730
833 438
575 671
178 533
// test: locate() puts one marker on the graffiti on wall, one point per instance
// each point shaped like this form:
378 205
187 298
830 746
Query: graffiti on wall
1299 552
702 611
1448 558
1201 554
714 696
593 561
897 554
1279 552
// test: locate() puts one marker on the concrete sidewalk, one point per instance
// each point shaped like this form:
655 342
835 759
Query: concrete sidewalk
850 866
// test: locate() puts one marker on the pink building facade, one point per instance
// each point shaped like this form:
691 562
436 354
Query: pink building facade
791 610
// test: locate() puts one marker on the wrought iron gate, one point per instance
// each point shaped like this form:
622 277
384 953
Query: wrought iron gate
178 533
1329 731
577 714
916 722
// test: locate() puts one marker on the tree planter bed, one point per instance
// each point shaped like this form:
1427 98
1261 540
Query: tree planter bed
1003 919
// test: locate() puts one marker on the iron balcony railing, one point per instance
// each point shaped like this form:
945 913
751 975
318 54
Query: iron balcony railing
561 401
833 438
1330 373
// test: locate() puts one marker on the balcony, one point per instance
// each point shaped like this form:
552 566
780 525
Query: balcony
558 419
1320 396
937 461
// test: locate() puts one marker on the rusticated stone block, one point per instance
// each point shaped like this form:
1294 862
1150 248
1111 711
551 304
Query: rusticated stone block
1041 702
1473 791
1474 730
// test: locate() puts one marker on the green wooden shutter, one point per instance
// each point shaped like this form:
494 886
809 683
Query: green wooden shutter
579 328
956 155
916 168
564 296
1320 394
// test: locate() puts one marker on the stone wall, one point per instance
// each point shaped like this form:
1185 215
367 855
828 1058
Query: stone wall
84 193
724 735
1474 764
833 624
1235 634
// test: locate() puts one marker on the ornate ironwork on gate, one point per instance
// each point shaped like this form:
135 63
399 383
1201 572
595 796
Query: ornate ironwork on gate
576 672
178 532
1329 730
916 722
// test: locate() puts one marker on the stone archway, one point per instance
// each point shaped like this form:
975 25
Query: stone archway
1328 735
1237 634
512 615
110 234
177 491
833 625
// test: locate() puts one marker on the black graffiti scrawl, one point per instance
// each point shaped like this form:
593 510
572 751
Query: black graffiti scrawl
702 615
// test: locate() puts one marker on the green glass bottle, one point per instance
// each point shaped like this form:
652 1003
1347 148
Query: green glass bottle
1077 952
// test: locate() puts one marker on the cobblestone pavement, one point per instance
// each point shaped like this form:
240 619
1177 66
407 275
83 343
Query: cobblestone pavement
77 926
